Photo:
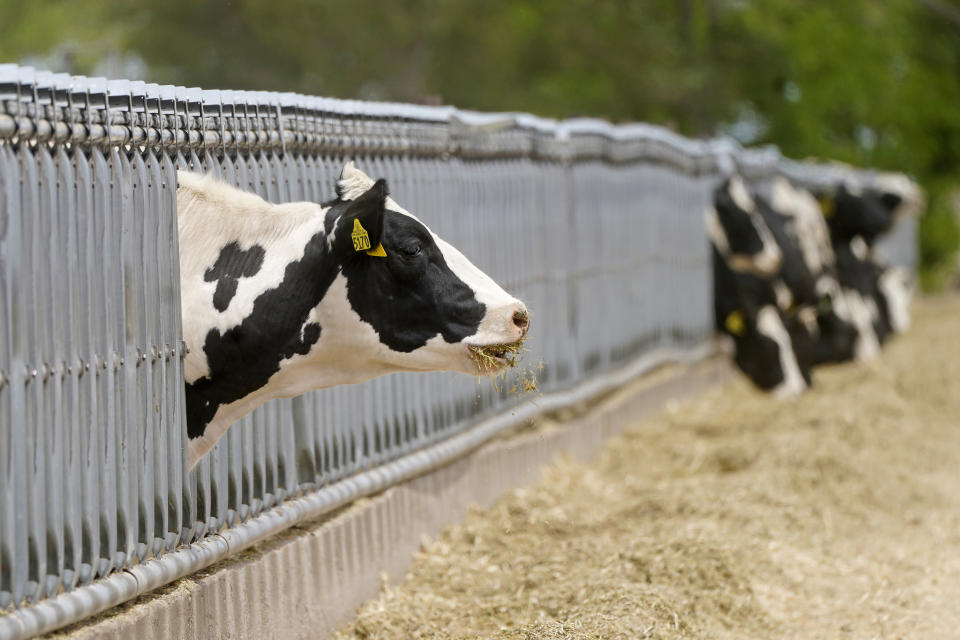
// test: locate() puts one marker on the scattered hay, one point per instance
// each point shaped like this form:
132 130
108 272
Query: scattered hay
496 361
525 380
833 515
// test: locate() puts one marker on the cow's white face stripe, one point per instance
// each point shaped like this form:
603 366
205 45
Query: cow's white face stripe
764 264
715 232
769 260
741 195
895 287
770 325
809 225
862 316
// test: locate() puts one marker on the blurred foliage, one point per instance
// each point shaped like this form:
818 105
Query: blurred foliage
867 82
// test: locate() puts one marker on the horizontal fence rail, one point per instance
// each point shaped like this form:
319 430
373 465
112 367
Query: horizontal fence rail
598 228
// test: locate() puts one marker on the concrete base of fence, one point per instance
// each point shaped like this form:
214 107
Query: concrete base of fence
309 580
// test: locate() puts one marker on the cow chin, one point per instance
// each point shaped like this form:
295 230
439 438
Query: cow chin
470 357
439 355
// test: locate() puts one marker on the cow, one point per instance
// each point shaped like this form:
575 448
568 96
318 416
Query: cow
281 299
856 217
771 347
842 329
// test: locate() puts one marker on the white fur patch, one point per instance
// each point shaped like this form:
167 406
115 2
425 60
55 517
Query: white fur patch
783 294
862 316
895 285
912 199
715 232
770 325
741 195
859 248
353 183
808 316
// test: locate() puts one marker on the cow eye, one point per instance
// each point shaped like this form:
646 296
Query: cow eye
411 250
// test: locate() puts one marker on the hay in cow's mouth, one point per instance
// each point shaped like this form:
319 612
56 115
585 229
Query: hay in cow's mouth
492 357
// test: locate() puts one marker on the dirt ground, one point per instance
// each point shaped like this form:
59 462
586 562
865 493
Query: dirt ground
834 515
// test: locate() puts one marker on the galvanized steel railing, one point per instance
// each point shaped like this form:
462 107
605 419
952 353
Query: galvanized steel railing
598 228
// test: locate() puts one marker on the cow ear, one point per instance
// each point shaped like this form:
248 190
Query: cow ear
361 226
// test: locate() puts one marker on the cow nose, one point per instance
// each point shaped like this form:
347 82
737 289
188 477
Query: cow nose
521 320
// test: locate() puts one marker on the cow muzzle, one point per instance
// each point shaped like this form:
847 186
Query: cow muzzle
499 342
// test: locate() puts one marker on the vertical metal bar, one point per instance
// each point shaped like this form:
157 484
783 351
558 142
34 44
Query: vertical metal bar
35 418
74 329
52 328
14 568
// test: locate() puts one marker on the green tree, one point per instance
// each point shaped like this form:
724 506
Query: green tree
870 83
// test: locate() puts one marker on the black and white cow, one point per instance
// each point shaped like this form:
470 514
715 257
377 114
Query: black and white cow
834 299
772 347
841 324
856 217
282 299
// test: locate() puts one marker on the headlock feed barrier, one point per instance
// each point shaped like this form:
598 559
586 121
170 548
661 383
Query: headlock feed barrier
598 228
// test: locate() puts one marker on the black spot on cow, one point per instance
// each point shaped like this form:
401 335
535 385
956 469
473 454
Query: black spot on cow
838 337
738 225
232 264
244 358
411 295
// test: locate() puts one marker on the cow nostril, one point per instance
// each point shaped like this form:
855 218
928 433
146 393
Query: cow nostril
521 319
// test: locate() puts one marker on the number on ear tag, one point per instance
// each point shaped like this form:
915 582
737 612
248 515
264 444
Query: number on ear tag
360 237
735 323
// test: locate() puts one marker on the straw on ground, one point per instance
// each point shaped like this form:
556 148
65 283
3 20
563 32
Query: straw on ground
835 515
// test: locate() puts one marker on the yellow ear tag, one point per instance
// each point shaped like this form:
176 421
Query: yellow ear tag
378 252
826 205
360 237
734 323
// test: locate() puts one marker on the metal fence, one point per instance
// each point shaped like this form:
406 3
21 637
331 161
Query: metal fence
597 228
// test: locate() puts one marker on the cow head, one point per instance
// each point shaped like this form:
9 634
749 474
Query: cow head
772 351
427 305
739 233
279 300
852 211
